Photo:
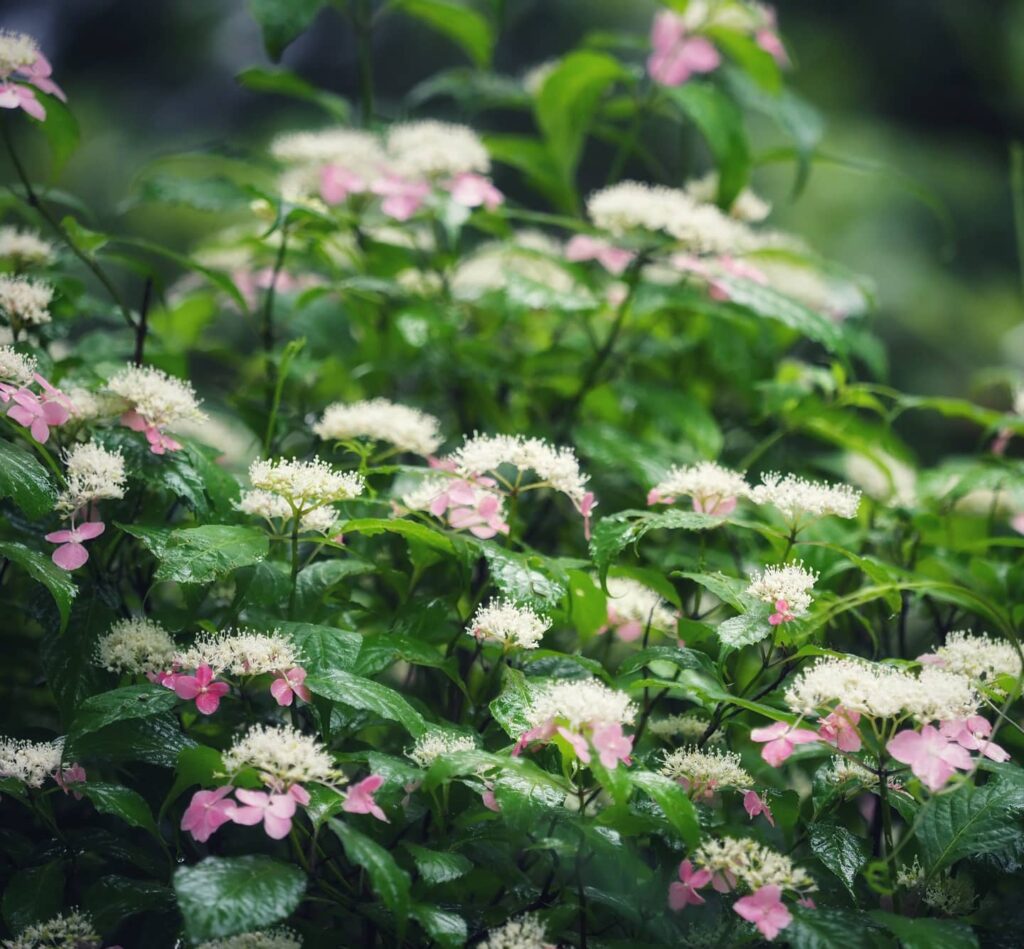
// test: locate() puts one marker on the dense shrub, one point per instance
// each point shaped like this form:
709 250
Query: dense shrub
531 559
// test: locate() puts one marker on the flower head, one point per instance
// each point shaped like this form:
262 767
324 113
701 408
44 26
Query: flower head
428 148
436 743
525 932
158 398
305 485
30 762
283 756
264 939
979 657
704 772
25 302
93 474
240 652
406 428
796 498
136 646
508 623
580 702
24 248
751 864
73 930
788 583
15 368
713 489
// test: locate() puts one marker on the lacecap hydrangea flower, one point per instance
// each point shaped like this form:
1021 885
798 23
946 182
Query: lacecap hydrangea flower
508 623
437 743
72 930
135 646
407 429
155 401
304 485
712 488
786 587
796 498
25 248
25 302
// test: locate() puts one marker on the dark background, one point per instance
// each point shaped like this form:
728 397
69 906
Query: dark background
921 99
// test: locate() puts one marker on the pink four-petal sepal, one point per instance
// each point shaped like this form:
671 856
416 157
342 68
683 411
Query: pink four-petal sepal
289 686
359 799
201 687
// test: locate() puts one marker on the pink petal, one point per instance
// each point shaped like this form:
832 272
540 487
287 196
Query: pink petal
70 556
248 816
208 702
60 537
91 529
186 687
40 431
300 794
282 692
277 828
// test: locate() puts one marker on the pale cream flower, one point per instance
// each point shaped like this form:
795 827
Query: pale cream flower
136 646
706 771
305 485
796 497
16 368
25 248
25 302
93 474
508 623
283 756
526 932
436 744
17 50
406 428
357 151
747 206
791 582
580 702
428 148
73 930
266 939
979 657
713 488
240 652
29 762
752 864
159 398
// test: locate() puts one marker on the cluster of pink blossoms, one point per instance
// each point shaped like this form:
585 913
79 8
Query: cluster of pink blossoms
210 810
678 52
402 197
470 505
206 690
22 67
37 411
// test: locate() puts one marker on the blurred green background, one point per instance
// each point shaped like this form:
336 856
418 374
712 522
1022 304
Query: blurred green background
920 99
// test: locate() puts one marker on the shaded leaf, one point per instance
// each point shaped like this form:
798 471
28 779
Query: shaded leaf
38 567
25 481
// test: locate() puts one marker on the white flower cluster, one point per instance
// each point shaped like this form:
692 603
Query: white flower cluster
427 148
266 939
690 727
29 762
73 931
436 744
526 932
93 474
320 520
406 428
16 51
706 769
16 368
283 756
795 497
359 152
531 256
752 864
845 769
159 398
790 582
707 482
508 623
882 691
747 206
697 226
90 406
25 248
136 646
557 468
240 652
629 599
26 302
580 702
980 658
305 485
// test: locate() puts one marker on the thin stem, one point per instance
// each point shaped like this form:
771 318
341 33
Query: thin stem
32 199
362 18
295 565
581 893
267 330
141 328
1017 190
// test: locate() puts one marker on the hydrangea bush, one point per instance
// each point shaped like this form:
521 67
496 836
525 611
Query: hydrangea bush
487 538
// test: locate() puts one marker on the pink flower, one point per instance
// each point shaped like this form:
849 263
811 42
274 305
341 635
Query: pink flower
782 614
488 798
731 267
781 739
839 728
38 73
1017 523
684 893
359 799
718 506
402 198
587 504
931 755
765 910
612 746
806 902
274 811
973 734
482 518
159 443
300 794
578 742
537 733
627 630
202 688
206 812
66 777
754 804
289 686
675 55
71 553
654 496
39 413
472 191
15 96
722 881
583 247
769 41
337 183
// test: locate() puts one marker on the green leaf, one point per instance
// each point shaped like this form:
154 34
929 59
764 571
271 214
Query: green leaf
222 896
428 536
25 481
721 123
112 899
34 895
202 554
323 648
131 701
613 534
157 740
841 851
968 822
60 128
824 928
529 579
535 161
196 765
41 568
357 692
121 802
435 866
283 82
389 881
459 22
510 707
922 933
213 194
673 801
769 303
444 928
745 629
567 102
283 20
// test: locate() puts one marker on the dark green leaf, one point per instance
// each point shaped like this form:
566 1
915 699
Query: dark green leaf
34 895
112 899
283 20
923 933
122 802
673 801
25 481
60 128
357 692
435 866
157 740
445 928
459 22
131 701
841 851
285 83
745 629
389 881
529 579
824 928
613 534
202 554
324 647
222 896
41 568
